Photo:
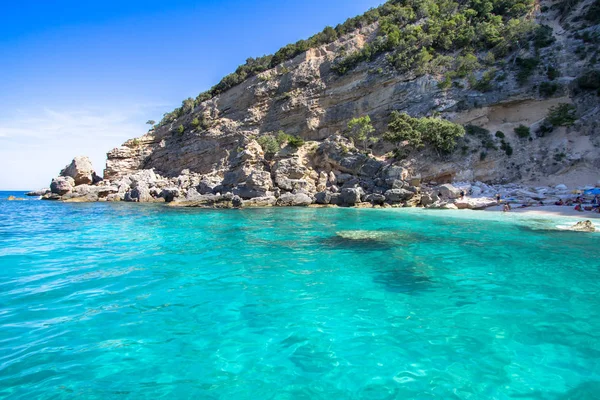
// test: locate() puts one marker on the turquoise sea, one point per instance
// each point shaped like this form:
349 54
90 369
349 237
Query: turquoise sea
128 301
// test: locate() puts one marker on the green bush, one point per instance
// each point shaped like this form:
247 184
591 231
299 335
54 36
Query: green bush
562 115
589 80
295 141
543 37
548 89
476 131
438 133
500 135
269 144
485 83
552 73
593 13
507 148
282 138
527 67
445 83
522 131
361 130
180 129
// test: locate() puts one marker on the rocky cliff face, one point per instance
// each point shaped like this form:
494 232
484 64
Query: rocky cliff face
306 98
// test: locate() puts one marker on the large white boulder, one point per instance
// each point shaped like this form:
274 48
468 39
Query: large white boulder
81 170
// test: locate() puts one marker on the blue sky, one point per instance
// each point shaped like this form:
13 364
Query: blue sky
81 77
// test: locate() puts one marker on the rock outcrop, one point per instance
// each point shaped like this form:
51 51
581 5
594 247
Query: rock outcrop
81 171
280 138
584 226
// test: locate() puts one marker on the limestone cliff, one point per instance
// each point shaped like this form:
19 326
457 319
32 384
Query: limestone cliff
214 148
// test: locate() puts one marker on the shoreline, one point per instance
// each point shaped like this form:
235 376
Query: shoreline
550 211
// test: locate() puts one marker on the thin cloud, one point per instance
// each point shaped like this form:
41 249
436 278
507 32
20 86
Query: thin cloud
38 143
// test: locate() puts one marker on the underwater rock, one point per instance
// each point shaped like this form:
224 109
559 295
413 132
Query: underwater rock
366 235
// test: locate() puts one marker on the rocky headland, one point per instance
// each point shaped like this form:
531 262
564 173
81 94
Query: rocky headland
330 125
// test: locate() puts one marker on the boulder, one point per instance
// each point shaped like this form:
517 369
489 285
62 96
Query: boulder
449 206
81 170
288 184
375 198
448 191
260 181
397 183
36 193
145 177
398 195
206 186
530 195
268 201
237 202
323 197
291 199
62 185
427 199
584 226
395 172
169 194
475 203
351 196
140 194
51 196
476 191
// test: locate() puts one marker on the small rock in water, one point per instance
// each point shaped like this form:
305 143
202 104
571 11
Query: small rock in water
584 226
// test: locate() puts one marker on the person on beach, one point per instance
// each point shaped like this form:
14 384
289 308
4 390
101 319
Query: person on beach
462 194
559 203
506 207
498 198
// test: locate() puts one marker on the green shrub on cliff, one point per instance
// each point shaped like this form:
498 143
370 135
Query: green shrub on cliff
269 144
295 141
523 131
562 115
436 132
283 138
361 130
593 13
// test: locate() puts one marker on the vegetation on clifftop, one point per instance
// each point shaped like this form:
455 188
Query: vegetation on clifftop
418 35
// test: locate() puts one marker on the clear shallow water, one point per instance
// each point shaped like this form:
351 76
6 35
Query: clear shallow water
141 301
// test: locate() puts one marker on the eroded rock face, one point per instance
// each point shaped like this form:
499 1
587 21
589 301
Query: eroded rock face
449 192
81 170
62 185
294 200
